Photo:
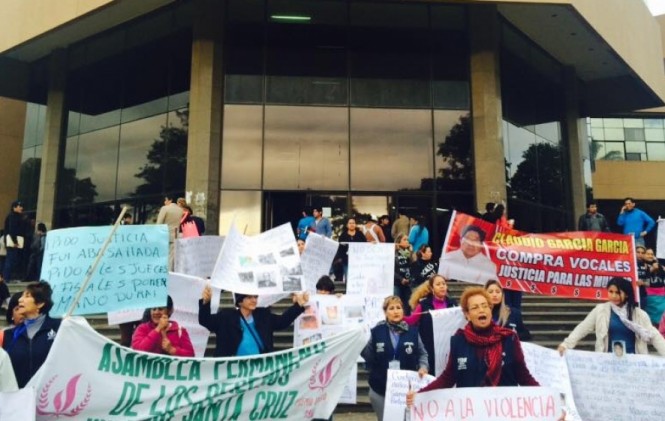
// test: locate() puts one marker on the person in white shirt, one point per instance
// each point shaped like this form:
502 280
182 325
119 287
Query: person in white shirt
468 263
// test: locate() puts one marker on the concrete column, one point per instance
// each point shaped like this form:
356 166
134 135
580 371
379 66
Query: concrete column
54 125
486 112
12 127
206 106
574 131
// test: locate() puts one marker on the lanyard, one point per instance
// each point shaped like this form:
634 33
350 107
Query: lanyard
394 339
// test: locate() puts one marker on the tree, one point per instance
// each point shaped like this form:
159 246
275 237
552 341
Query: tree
539 176
166 168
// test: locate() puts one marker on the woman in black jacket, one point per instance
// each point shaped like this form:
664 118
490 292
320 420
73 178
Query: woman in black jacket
246 329
504 315
29 342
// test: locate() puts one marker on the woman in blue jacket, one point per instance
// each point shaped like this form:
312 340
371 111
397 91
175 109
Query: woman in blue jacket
29 342
392 345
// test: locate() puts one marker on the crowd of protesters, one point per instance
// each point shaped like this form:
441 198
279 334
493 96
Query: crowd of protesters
490 341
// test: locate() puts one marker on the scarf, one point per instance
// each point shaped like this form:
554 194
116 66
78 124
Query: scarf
643 333
491 347
399 327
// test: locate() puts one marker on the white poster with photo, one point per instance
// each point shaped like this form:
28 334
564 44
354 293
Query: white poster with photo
196 256
268 263
371 269
445 323
317 258
186 292
399 383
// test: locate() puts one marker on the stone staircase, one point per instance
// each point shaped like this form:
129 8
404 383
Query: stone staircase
549 319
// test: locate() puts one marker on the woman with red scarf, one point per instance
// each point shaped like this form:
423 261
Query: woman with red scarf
482 354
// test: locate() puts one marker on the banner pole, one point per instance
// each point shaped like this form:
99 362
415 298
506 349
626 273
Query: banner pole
91 270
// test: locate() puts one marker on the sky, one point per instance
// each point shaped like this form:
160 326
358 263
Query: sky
657 7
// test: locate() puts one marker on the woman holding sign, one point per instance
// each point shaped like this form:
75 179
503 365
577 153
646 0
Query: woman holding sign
160 335
392 345
483 353
29 342
246 329
618 320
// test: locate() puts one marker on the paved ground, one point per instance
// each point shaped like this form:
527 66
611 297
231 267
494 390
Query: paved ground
355 416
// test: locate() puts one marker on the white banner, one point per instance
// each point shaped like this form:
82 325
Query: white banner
489 403
627 387
660 239
399 383
186 292
445 323
19 405
268 263
196 256
111 382
371 269
317 258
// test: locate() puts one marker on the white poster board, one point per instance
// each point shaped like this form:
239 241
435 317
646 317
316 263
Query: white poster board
268 263
317 258
19 405
399 383
371 269
196 256
445 323
660 239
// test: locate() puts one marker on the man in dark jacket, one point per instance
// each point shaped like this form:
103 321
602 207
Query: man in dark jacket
246 329
592 220
14 239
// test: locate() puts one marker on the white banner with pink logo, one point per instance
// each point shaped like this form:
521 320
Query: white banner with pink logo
87 376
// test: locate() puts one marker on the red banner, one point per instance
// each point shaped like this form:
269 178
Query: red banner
568 264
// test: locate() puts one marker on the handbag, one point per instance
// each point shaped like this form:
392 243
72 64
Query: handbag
20 241
189 229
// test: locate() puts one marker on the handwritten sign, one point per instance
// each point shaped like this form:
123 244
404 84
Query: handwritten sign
268 263
488 403
445 323
131 274
371 268
399 383
550 370
628 387
317 259
186 291
196 256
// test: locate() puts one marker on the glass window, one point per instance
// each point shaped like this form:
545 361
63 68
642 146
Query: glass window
614 134
613 150
654 135
633 123
140 166
98 161
596 122
653 123
306 147
242 208
242 147
35 121
397 141
636 147
631 156
613 122
634 134
452 95
597 133
454 158
656 151
29 179
174 137
548 132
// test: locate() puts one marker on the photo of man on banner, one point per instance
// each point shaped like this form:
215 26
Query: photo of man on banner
470 261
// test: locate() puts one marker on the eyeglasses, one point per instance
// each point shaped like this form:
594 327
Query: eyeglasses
478 307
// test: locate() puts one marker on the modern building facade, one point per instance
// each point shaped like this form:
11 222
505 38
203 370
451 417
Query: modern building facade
254 109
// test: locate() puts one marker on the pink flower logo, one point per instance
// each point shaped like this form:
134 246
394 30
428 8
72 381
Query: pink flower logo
63 401
321 379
